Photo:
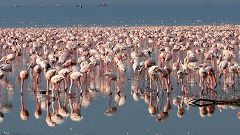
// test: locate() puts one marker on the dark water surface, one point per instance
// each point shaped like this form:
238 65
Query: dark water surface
117 14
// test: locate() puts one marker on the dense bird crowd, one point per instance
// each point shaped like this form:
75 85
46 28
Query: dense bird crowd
154 59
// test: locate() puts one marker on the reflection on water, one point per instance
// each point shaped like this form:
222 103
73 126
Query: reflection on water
111 92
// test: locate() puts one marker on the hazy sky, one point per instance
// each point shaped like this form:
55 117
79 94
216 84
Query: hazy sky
33 2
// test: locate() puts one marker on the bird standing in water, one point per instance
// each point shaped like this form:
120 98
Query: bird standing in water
23 75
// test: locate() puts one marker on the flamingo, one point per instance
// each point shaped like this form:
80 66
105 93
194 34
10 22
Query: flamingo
38 111
64 72
211 77
222 64
75 113
37 70
203 74
203 111
23 75
56 79
24 114
152 109
1 117
55 116
176 66
181 74
136 65
111 110
49 74
48 119
112 77
9 57
153 75
6 67
75 76
165 73
1 74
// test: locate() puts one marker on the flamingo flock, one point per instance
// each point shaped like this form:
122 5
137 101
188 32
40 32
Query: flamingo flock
76 62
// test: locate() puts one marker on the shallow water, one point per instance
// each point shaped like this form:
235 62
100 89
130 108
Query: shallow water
131 118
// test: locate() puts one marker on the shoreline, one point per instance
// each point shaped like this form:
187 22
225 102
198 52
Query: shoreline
120 26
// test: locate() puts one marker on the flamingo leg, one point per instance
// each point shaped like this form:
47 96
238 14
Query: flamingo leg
116 83
22 82
65 84
150 83
47 87
157 87
70 88
214 81
80 86
166 82
37 78
58 88
53 90
123 82
201 85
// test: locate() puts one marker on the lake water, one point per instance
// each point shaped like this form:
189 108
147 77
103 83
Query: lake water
117 14
132 118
